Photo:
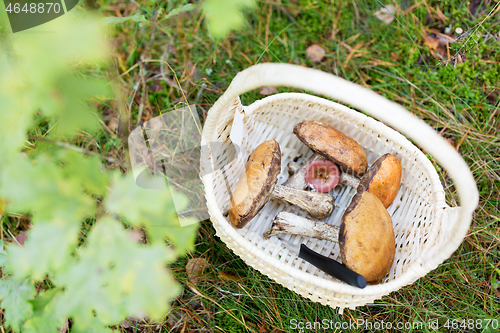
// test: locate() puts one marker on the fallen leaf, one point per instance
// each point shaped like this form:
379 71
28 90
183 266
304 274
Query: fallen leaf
386 14
268 90
21 237
450 141
315 52
110 119
497 292
195 268
395 56
228 276
431 42
137 235
128 322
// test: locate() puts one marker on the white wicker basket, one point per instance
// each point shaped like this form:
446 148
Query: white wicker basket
427 230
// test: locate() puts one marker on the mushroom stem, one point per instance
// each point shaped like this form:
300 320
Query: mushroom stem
318 205
288 223
349 180
297 180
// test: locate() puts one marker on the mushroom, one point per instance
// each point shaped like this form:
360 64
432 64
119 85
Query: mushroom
259 184
334 145
382 178
328 144
366 236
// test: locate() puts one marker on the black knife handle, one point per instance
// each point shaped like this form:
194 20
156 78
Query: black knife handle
332 267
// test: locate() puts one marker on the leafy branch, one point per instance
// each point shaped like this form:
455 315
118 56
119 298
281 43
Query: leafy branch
99 274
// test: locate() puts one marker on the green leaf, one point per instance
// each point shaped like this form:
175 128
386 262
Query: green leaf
17 112
134 18
71 108
116 278
44 318
87 169
225 15
94 326
186 8
15 296
41 187
40 302
47 249
39 74
152 209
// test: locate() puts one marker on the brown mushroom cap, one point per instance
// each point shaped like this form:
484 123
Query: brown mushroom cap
383 179
334 145
366 237
254 190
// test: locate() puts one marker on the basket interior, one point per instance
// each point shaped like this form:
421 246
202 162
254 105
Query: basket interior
274 117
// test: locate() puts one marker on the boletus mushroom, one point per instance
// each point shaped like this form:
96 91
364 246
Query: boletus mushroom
382 178
366 236
259 185
332 145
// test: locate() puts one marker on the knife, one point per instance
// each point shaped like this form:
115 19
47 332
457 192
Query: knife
327 265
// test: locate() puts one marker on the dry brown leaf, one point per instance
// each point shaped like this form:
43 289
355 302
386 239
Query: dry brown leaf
137 235
386 14
450 141
315 52
110 119
268 90
395 56
195 268
21 237
497 292
431 42
230 277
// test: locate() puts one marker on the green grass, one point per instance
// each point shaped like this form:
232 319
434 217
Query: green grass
460 101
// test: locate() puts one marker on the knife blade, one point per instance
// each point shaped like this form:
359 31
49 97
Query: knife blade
327 265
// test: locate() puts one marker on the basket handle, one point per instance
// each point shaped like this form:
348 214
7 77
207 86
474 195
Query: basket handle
393 114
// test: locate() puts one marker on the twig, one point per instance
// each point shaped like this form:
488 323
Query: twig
155 21
14 238
144 92
162 69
